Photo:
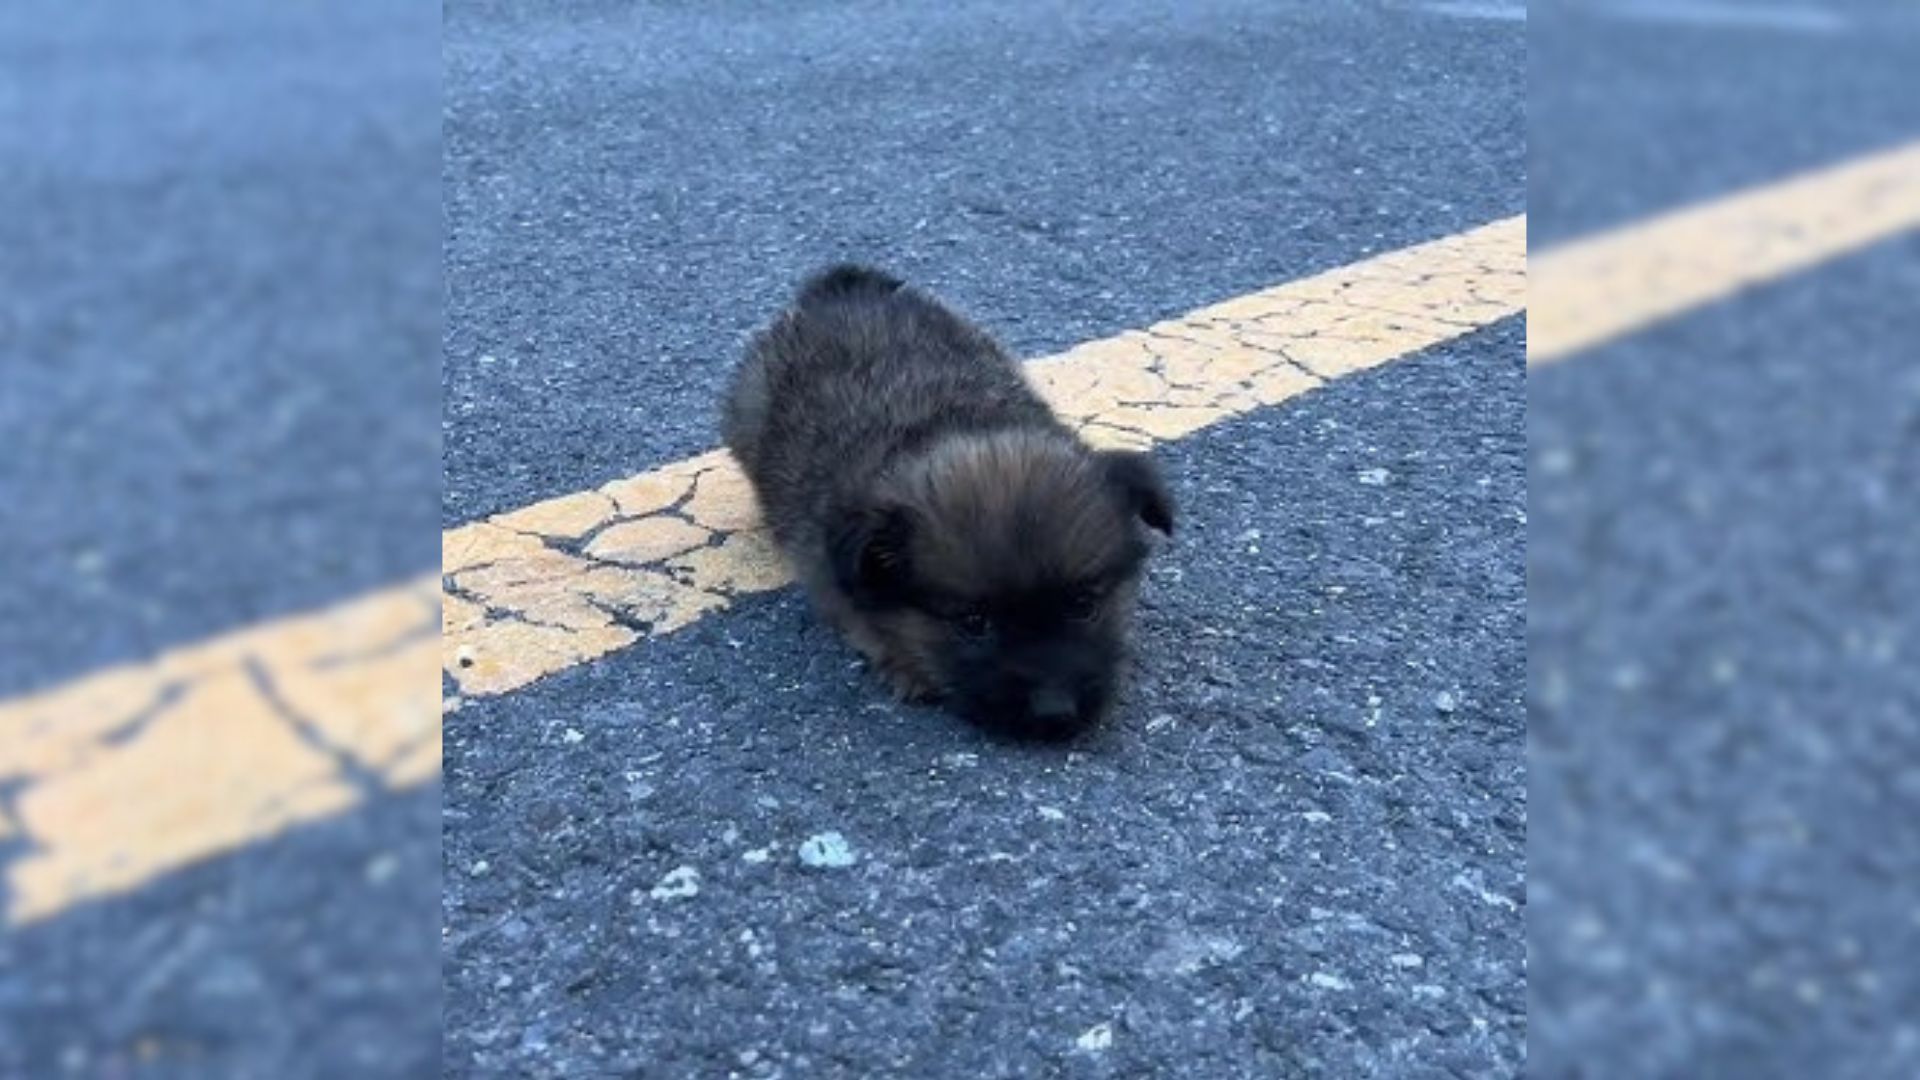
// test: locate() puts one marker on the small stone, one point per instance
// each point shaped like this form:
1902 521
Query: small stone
757 855
1095 1039
747 1058
1327 980
1184 952
1374 477
479 868
681 883
1053 813
1445 702
573 735
827 851
1406 960
503 982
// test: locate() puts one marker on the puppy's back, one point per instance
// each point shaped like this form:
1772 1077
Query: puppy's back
787 344
858 367
846 281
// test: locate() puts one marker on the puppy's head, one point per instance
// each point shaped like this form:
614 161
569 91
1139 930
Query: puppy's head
1006 567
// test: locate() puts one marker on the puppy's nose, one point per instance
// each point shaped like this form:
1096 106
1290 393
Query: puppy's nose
1052 703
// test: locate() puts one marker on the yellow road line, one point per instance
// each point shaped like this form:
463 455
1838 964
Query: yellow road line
563 581
128 773
122 775
1590 291
133 771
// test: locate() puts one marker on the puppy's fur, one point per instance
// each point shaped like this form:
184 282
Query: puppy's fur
935 509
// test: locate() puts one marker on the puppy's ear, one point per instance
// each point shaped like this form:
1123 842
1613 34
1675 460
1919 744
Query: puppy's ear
868 548
1138 480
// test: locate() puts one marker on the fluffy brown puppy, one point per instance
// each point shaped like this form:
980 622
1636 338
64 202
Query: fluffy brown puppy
936 510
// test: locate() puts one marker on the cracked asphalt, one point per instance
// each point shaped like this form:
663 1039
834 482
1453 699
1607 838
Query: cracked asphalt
1299 849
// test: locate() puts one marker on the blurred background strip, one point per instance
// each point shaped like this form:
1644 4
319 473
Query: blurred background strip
220 318
1724 490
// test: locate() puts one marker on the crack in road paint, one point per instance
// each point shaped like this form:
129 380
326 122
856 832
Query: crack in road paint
351 769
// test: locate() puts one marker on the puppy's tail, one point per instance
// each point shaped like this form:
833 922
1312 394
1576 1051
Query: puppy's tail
848 281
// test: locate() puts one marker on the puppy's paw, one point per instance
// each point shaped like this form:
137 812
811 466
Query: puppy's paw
905 678
909 686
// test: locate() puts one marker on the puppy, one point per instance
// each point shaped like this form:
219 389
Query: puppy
934 508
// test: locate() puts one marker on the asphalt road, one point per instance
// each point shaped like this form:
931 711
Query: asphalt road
630 189
1723 711
1298 850
219 328
311 955
1288 856
1285 857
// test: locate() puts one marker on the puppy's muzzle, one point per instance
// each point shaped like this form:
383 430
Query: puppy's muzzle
1053 704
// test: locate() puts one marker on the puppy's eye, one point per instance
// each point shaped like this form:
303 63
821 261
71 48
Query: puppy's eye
1084 604
974 624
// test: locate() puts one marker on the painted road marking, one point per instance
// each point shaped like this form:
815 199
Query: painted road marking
1589 291
117 777
1722 14
1497 11
124 774
574 578
128 773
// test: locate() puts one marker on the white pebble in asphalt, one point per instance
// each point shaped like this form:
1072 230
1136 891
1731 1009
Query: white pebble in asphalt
681 883
827 851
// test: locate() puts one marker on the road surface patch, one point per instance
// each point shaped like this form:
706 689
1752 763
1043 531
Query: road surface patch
571 579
